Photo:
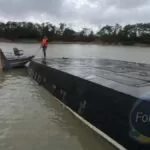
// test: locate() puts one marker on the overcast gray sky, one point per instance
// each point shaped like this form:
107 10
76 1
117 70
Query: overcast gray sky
77 12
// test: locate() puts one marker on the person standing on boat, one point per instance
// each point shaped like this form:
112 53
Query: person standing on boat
44 46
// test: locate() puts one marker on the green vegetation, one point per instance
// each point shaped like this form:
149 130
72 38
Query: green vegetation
129 34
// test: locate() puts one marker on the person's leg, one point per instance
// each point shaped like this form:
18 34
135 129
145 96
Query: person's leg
44 52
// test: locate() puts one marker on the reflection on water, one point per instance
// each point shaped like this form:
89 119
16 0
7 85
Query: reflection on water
31 119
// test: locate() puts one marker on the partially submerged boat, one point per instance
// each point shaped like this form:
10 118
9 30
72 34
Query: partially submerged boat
18 60
112 97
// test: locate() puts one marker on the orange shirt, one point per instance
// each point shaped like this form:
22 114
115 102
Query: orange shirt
44 42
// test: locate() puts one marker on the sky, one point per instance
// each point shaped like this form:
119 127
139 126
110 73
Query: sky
76 13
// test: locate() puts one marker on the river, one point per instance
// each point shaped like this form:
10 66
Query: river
129 53
32 119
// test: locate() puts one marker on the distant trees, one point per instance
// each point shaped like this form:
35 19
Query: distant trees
129 34
117 34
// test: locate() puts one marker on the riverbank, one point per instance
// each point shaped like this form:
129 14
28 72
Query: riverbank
50 42
97 42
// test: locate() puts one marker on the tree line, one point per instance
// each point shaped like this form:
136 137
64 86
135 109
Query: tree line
108 34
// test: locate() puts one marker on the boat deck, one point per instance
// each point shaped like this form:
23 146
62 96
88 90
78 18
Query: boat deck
127 77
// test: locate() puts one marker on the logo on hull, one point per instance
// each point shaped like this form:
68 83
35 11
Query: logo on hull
140 121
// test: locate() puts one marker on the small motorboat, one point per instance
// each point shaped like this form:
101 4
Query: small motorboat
18 60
